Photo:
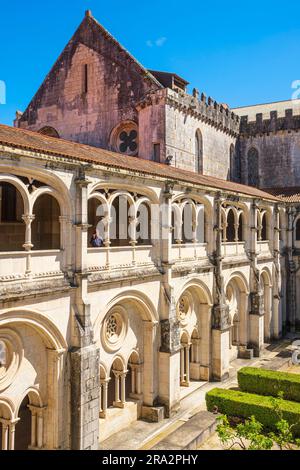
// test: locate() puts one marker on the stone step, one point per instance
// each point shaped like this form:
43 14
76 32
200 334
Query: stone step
191 434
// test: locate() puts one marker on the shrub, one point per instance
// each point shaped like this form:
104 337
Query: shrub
245 405
270 383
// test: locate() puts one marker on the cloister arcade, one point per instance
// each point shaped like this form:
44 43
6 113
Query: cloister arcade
32 351
40 237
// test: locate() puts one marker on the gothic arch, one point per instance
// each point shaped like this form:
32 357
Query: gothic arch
253 167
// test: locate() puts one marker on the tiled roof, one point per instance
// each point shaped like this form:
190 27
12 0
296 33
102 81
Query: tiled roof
286 194
33 141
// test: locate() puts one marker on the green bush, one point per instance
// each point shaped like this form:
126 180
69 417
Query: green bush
270 383
245 405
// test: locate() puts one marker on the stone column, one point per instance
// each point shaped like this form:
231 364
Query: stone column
84 354
169 366
123 387
138 380
291 273
256 315
33 427
187 365
103 397
220 313
133 381
40 429
276 310
5 428
182 365
12 433
28 219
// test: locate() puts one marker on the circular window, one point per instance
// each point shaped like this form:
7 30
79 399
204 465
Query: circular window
124 138
11 354
114 329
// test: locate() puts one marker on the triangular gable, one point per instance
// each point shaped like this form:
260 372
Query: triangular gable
94 36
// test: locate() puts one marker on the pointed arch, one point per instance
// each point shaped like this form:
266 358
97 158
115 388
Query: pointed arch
253 167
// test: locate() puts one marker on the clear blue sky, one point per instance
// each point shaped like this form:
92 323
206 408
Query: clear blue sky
237 52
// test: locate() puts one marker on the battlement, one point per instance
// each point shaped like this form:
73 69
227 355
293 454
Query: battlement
269 118
198 105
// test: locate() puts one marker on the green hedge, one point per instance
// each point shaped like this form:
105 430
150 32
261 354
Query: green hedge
245 405
270 383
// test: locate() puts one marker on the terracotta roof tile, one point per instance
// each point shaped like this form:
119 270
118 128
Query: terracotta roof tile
286 194
33 141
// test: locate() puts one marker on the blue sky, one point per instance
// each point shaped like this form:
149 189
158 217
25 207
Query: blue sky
237 52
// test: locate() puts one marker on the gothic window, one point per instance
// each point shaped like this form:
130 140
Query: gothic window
230 230
46 225
198 152
241 228
253 167
235 165
264 235
124 138
298 230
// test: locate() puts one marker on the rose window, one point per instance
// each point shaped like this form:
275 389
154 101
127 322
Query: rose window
112 327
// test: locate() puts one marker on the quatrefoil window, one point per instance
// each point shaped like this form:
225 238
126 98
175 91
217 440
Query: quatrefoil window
128 141
125 138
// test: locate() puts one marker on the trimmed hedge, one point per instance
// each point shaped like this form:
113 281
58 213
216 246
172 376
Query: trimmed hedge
245 405
270 383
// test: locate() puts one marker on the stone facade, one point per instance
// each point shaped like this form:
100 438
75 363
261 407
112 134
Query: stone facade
93 338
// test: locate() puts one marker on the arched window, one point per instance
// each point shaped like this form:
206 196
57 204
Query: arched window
230 230
198 152
264 231
96 214
298 230
23 427
235 164
241 228
120 222
253 167
187 223
201 236
12 228
143 227
49 131
46 225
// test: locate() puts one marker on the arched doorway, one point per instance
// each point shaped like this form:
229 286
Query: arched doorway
194 315
46 224
236 298
185 360
12 227
266 292
23 427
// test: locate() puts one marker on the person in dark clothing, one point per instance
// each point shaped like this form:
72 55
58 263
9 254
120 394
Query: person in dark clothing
96 241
